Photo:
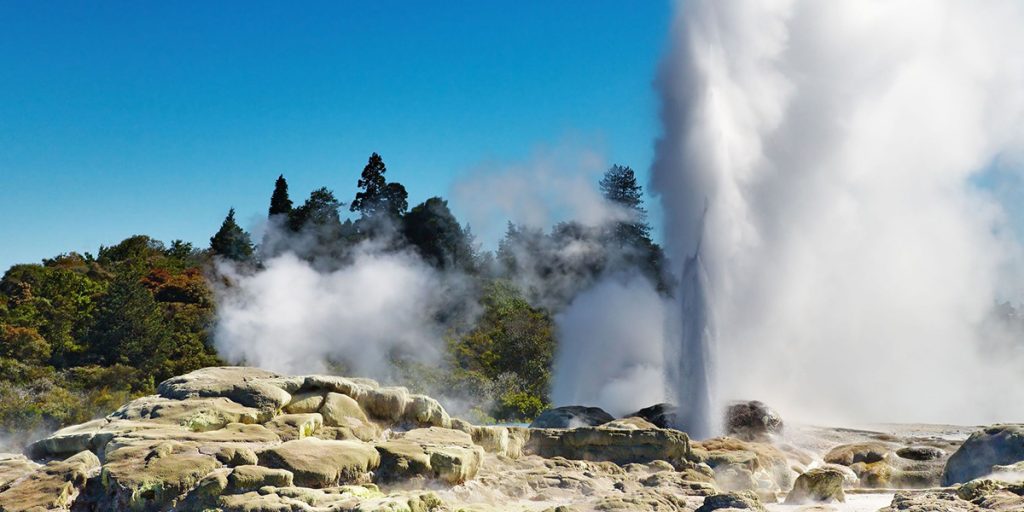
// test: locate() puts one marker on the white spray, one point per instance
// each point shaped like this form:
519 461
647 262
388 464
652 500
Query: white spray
822 172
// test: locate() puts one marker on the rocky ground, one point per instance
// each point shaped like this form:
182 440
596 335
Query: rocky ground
242 439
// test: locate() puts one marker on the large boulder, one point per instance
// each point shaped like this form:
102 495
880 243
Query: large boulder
920 453
437 453
91 435
752 421
250 478
197 414
54 486
423 411
152 475
305 402
386 404
318 463
572 416
993 446
620 446
662 415
849 454
732 501
816 486
250 387
296 426
337 408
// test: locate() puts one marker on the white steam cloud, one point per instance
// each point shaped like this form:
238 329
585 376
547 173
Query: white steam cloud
315 306
826 161
611 346
292 318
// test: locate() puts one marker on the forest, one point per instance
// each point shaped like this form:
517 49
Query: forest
81 334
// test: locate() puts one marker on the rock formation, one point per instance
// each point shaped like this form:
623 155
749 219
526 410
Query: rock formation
752 421
993 446
817 485
661 415
243 439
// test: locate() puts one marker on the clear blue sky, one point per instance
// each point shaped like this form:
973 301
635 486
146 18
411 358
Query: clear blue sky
118 118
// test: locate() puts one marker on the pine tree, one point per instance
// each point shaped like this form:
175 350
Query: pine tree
620 187
377 195
280 204
129 328
231 241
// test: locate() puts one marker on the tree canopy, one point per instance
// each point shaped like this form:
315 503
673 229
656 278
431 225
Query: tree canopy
434 231
378 196
231 241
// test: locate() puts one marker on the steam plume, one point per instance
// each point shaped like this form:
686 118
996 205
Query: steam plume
824 165
292 318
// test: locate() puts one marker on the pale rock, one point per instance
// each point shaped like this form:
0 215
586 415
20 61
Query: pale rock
305 402
319 463
54 486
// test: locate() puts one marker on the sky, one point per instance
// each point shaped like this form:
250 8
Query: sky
123 118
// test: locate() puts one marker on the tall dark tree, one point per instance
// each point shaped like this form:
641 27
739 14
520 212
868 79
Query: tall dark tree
619 186
129 328
280 204
633 235
436 234
377 195
231 241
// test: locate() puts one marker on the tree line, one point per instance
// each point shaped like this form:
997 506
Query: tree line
80 334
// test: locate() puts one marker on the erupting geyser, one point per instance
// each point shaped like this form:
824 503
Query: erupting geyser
830 175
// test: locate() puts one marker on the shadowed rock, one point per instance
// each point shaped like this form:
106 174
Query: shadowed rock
752 421
661 415
921 453
317 463
996 445
732 500
572 416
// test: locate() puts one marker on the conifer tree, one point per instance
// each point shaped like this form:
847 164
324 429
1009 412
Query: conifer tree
280 204
377 195
620 187
231 241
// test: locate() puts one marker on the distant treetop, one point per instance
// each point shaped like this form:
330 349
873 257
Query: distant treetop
280 204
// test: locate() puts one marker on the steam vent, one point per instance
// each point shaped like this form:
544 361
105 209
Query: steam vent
244 439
